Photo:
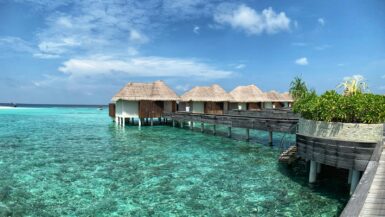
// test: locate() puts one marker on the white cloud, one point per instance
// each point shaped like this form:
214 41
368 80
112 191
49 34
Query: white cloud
137 37
16 44
321 21
253 23
240 66
302 61
142 67
356 77
196 29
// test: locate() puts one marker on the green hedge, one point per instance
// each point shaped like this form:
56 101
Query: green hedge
333 107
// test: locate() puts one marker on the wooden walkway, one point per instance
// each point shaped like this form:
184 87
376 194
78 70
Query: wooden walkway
375 201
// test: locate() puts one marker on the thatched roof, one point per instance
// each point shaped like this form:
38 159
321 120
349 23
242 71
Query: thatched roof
274 96
214 93
249 93
286 97
156 91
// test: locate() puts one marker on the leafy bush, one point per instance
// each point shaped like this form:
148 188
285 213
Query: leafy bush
333 107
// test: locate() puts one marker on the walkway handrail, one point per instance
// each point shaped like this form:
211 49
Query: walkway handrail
357 200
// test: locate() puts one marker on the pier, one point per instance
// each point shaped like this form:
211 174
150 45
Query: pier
284 121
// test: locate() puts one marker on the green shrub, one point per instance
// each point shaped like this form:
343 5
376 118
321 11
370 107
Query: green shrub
333 107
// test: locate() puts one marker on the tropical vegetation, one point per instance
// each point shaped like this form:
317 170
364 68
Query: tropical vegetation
353 106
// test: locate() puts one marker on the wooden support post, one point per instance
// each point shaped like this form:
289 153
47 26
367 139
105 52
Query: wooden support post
159 120
152 121
229 132
270 137
355 180
132 121
313 172
181 124
247 134
123 121
140 122
202 127
173 123
319 168
214 129
350 176
191 125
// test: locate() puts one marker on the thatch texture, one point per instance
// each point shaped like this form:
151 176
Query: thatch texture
214 93
274 96
249 93
156 91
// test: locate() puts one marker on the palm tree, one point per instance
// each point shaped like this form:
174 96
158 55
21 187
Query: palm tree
298 88
353 85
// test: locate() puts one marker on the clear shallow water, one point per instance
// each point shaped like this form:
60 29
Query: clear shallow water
75 162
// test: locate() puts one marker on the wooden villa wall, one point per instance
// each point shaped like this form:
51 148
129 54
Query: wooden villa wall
278 105
215 108
111 110
151 109
233 105
254 106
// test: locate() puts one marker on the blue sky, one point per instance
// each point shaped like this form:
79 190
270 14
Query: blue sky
85 51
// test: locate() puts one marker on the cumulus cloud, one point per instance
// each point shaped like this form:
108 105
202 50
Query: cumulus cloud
196 29
321 21
247 19
302 61
142 67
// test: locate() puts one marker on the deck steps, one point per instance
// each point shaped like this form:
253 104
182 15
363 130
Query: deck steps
289 155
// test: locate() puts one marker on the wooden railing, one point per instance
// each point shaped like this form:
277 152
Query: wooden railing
266 120
357 200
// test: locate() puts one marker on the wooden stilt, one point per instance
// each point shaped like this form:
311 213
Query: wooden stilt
355 180
229 132
313 172
152 121
140 122
270 137
247 134
215 129
202 127
173 123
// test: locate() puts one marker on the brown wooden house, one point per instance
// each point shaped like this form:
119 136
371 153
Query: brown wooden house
208 100
143 100
248 97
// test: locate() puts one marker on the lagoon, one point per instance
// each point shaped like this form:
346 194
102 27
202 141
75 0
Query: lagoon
76 162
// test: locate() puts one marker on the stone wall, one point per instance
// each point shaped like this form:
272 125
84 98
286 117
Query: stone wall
341 131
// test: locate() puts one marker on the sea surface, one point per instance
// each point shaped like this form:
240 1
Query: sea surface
76 162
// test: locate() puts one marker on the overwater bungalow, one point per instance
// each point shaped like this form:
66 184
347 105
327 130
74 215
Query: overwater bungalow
277 100
142 100
209 100
248 97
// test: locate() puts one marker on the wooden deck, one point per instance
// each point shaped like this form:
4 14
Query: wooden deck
369 197
374 204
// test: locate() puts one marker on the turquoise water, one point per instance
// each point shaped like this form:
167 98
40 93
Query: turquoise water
75 162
